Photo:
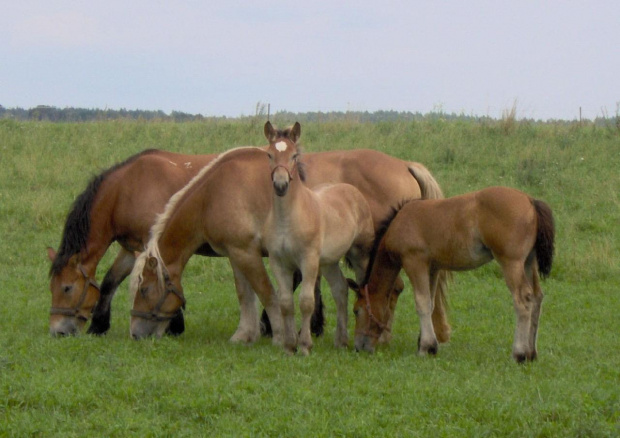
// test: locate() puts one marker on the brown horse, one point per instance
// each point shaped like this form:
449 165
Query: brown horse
118 205
459 233
232 198
311 230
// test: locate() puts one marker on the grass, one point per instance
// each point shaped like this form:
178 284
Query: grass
199 384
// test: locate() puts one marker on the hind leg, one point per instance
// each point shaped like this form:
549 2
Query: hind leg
523 299
440 318
536 309
121 268
338 286
248 330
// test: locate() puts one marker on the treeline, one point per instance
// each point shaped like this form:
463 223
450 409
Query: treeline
54 114
70 114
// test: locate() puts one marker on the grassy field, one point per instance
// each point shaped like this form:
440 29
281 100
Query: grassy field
200 384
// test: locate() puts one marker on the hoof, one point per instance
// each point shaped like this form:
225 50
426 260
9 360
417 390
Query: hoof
99 325
176 326
243 338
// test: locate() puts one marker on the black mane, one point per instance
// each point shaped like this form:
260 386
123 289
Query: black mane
77 225
381 230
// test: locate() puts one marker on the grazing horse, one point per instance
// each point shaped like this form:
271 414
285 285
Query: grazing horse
311 230
120 205
459 233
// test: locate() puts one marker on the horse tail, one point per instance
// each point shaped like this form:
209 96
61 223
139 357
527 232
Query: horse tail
545 236
428 185
430 189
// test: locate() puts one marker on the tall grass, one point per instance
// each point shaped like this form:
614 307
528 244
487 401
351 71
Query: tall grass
199 384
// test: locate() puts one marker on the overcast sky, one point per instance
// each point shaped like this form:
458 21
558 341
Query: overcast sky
223 57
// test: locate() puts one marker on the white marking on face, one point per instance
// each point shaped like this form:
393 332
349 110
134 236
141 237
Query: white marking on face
281 146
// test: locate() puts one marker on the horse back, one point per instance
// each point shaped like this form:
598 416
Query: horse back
384 181
131 197
346 217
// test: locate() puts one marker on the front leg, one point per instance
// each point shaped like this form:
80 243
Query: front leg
121 268
419 275
309 273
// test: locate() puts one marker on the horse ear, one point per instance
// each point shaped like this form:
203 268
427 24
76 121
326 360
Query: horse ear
354 287
51 254
151 263
269 132
295 132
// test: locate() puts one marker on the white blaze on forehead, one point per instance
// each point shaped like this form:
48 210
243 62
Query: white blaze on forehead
281 146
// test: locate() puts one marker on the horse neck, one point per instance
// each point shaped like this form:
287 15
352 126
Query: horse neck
178 241
294 202
383 272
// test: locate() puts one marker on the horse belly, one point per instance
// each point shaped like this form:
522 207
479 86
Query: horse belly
464 258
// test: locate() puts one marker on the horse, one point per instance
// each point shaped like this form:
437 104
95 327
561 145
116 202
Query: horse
459 233
120 204
310 230
232 198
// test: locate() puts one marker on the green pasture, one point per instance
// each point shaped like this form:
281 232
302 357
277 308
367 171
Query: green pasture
201 385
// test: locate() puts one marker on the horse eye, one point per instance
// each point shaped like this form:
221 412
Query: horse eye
143 291
270 155
67 289
356 312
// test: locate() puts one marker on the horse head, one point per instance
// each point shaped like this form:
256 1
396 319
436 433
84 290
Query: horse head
157 300
374 314
283 156
74 294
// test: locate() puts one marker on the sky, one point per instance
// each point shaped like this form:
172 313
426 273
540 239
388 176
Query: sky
221 58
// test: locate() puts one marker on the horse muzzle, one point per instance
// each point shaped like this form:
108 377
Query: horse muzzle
280 187
141 328
65 326
364 343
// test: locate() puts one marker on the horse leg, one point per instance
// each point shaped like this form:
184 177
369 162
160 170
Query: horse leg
339 288
420 277
248 331
284 279
522 295
250 264
317 323
309 273
121 268
532 272
440 319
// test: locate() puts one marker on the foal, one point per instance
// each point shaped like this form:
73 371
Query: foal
459 233
311 230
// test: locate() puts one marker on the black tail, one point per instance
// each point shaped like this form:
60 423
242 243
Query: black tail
545 236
